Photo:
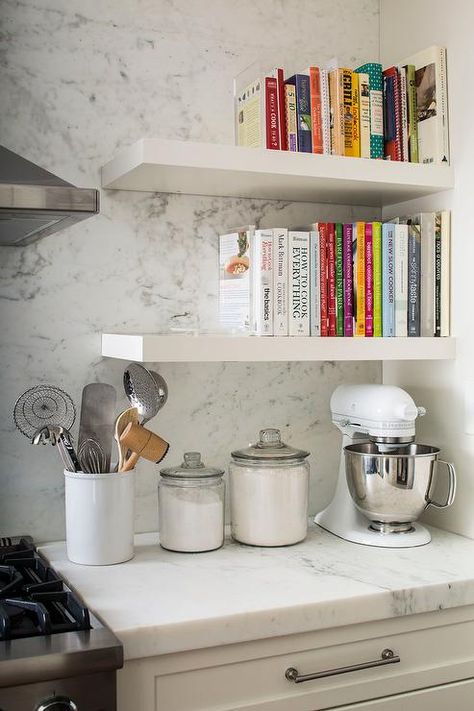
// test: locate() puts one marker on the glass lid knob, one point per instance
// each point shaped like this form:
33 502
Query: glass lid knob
192 460
270 437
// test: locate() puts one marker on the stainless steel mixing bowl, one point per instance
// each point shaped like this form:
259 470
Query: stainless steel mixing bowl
392 489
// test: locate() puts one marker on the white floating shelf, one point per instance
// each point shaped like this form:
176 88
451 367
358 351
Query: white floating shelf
160 165
172 348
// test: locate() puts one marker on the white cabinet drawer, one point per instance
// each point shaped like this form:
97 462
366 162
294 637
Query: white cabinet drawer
439 698
435 649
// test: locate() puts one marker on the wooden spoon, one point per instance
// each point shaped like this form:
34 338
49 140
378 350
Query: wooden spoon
143 443
125 418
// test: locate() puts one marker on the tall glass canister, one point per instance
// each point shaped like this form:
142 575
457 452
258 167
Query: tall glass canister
269 484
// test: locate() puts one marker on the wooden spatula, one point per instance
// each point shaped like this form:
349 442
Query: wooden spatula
125 418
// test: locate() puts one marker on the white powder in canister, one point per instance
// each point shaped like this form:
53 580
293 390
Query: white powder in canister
191 518
269 503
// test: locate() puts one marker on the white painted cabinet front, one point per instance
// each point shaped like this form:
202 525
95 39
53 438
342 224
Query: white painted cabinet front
435 649
449 697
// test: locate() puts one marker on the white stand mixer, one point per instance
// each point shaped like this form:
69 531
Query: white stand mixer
385 414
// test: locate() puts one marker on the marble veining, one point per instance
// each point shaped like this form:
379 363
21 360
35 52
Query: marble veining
167 602
79 80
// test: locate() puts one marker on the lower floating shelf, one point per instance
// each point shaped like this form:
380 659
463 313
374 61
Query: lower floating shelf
179 348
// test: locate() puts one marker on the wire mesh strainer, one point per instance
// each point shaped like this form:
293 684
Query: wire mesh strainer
43 405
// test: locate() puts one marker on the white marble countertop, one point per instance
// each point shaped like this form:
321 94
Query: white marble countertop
161 602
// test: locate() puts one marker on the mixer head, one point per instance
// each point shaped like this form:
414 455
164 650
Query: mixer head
384 412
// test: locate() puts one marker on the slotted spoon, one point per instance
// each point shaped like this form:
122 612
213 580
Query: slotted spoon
146 390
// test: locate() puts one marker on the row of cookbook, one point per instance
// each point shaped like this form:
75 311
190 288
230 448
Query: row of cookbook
399 113
389 279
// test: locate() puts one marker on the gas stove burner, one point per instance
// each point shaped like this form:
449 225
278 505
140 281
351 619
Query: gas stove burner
23 618
34 600
10 580
16 543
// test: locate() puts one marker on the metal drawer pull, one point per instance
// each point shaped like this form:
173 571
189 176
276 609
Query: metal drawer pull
387 657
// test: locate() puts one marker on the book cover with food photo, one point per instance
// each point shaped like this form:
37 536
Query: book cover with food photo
235 284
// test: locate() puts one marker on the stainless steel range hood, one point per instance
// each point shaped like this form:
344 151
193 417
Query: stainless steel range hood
35 203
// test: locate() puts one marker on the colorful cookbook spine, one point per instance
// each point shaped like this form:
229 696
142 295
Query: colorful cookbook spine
299 284
414 273
325 111
354 277
445 272
278 73
389 128
315 282
347 276
401 280
374 72
347 112
263 283
355 116
290 118
280 281
377 268
336 107
404 113
369 281
331 250
323 274
412 113
437 275
359 265
339 282
364 114
315 104
392 117
272 125
388 280
303 111
427 285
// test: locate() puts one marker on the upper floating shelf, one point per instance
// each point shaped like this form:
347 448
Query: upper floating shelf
159 165
179 348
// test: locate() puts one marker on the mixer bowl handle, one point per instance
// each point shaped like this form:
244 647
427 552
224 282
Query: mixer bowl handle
451 487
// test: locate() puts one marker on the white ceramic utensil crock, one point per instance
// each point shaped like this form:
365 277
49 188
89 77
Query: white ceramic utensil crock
99 517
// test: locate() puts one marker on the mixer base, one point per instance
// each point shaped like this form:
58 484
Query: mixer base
357 529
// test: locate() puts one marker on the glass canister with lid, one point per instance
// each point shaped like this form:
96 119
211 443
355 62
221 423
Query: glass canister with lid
269 483
191 506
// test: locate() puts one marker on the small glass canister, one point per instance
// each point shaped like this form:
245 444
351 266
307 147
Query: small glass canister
269 484
191 506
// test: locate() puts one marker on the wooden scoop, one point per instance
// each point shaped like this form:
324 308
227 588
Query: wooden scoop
143 443
130 415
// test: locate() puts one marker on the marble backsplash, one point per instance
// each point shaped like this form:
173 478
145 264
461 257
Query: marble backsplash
78 81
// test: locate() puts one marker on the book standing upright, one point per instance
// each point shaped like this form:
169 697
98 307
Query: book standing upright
262 278
299 283
280 281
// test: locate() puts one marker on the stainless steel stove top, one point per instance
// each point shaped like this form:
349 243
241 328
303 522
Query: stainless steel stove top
51 646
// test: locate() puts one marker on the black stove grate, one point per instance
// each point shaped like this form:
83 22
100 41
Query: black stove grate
34 599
